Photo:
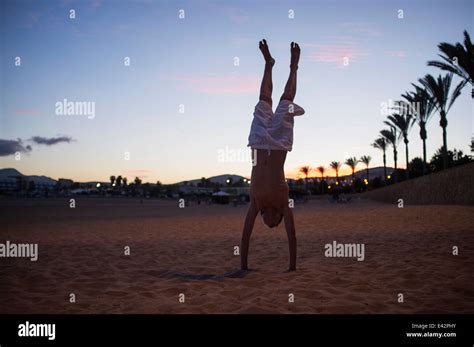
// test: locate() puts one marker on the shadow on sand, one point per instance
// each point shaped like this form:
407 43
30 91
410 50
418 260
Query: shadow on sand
204 277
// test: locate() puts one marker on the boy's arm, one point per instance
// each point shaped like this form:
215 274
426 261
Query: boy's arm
291 233
248 227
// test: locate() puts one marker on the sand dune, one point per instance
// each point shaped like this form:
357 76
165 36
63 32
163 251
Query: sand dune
190 250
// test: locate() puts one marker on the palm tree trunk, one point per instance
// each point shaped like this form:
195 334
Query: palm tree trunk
424 157
444 124
367 173
384 165
407 175
423 138
395 178
445 149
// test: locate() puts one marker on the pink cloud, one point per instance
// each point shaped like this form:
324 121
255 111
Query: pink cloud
219 84
26 112
335 52
396 54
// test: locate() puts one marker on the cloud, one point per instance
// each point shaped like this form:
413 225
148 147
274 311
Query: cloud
39 140
219 84
396 54
336 52
345 44
9 147
360 28
26 112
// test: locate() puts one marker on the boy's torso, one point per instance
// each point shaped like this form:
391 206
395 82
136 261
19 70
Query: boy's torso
268 186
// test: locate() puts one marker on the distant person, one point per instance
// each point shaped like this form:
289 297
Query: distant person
271 137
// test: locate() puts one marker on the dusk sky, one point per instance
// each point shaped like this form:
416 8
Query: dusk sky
190 61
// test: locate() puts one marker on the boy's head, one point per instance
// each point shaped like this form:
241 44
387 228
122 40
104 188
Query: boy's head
271 216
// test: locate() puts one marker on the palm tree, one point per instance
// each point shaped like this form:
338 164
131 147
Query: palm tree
381 144
422 108
352 163
457 59
403 122
391 137
321 170
112 180
305 170
124 181
439 92
366 160
336 165
119 180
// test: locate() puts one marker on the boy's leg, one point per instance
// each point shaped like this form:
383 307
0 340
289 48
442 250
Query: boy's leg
266 87
290 88
263 114
281 131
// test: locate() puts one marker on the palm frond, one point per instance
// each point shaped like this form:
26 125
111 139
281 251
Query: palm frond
366 159
456 92
380 143
457 58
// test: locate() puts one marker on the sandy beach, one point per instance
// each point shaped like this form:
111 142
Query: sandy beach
188 251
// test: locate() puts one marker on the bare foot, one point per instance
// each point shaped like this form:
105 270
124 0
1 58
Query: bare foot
266 52
295 55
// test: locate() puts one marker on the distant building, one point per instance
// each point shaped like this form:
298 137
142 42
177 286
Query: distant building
7 184
65 183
